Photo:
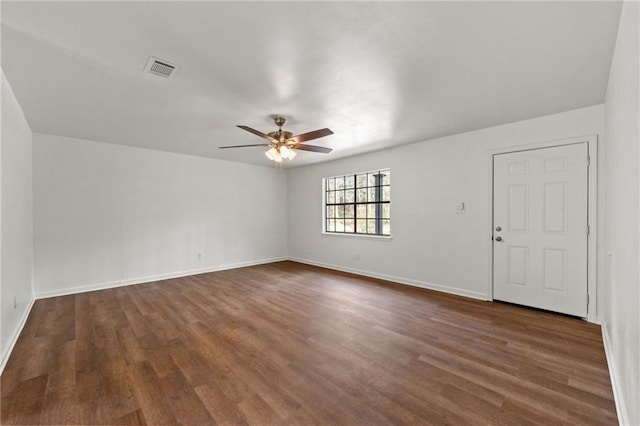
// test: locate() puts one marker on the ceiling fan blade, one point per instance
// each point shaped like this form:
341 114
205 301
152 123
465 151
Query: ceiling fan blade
311 135
242 146
312 148
256 132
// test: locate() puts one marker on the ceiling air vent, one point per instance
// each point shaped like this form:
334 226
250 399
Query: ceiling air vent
161 68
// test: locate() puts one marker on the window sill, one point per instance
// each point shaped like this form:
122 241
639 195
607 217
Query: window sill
360 236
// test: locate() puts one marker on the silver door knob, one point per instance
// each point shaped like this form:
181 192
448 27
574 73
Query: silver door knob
498 238
498 228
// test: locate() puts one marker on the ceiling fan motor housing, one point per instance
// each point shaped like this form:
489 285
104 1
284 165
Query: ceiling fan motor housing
281 135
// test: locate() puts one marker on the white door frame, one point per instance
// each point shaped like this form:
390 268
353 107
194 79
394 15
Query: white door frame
592 255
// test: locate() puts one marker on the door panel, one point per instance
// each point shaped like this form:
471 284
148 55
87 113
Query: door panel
518 208
555 270
555 207
518 265
540 215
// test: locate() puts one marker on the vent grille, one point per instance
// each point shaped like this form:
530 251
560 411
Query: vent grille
161 68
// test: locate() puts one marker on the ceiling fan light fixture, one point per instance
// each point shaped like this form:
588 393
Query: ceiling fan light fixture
276 156
285 152
292 154
269 154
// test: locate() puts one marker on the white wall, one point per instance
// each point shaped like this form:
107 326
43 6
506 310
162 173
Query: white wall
621 304
106 214
16 247
431 245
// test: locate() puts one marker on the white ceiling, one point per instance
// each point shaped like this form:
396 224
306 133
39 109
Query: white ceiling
378 74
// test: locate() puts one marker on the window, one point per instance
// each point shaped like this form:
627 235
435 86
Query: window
358 203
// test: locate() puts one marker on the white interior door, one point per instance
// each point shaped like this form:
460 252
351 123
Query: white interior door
540 201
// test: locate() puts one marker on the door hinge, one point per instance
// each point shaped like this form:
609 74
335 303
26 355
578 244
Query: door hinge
588 230
588 160
587 301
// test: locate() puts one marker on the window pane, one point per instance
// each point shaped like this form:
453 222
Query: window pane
386 179
371 226
386 227
339 225
371 211
386 211
331 183
349 211
330 212
372 194
349 196
331 225
339 183
339 196
331 197
361 211
362 180
349 181
348 225
361 226
372 179
362 195
386 193
340 211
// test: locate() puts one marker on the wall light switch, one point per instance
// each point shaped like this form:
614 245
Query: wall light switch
460 208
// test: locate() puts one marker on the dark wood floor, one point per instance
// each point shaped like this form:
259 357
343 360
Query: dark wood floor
287 343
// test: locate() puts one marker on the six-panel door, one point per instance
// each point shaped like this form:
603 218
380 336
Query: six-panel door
540 228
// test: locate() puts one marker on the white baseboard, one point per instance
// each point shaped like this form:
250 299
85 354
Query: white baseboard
151 278
621 409
166 276
7 352
399 280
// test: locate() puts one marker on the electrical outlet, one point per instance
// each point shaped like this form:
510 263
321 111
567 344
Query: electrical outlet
199 256
356 256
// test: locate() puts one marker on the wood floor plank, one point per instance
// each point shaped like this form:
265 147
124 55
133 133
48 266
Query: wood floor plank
287 343
222 409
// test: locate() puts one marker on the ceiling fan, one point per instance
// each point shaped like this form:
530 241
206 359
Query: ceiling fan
282 143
